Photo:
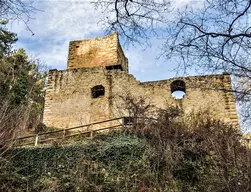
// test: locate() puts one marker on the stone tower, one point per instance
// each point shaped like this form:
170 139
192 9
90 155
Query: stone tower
97 77
102 51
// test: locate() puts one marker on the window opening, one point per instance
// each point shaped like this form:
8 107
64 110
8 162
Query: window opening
114 67
178 89
98 91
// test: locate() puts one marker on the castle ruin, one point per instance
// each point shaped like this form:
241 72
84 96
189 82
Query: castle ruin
96 79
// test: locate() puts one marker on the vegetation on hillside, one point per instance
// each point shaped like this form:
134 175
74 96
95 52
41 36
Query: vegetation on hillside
21 89
172 153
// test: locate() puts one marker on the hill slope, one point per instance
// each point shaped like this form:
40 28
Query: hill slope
167 155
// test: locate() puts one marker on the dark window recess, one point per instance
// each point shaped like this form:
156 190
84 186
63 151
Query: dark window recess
178 89
98 91
114 67
129 120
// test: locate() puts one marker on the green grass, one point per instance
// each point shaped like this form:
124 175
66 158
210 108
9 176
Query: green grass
185 161
109 162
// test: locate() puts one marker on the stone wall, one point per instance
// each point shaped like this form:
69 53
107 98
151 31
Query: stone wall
69 99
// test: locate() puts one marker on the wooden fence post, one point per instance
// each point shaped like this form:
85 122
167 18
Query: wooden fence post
64 133
91 133
123 122
36 140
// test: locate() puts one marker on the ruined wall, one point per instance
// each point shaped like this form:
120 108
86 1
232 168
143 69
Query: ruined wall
202 93
68 98
102 51
69 101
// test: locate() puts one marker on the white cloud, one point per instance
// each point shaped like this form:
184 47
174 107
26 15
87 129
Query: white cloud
62 18
59 22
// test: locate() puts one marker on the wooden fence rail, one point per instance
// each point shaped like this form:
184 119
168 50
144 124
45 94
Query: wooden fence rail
117 122
36 137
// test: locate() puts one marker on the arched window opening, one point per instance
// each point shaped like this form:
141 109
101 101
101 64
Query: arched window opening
98 91
178 89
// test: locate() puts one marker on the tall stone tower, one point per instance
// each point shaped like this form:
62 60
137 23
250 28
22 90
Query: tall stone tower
97 52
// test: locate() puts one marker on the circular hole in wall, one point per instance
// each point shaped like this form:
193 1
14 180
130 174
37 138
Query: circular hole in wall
178 94
178 89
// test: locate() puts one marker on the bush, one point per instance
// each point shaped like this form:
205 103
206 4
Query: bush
202 153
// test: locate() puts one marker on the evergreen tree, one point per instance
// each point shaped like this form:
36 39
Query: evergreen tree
21 89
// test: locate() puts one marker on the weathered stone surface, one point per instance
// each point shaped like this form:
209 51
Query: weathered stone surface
69 99
103 51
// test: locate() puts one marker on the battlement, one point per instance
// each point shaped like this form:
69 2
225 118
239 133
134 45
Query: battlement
102 51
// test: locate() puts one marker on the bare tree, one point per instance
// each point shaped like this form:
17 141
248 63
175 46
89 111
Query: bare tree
136 20
214 37
16 9
20 10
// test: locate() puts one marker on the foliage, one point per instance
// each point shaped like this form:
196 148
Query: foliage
204 154
85 166
6 39
17 10
21 90
10 179
174 152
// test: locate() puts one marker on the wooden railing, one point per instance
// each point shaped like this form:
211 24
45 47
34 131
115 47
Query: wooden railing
86 129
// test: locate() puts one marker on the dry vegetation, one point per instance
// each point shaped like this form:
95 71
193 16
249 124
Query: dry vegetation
174 152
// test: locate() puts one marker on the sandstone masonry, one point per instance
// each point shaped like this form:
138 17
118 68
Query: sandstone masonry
96 79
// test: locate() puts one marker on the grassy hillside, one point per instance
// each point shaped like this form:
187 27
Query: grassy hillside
183 155
110 162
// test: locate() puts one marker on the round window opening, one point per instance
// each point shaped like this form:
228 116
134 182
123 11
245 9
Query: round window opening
178 89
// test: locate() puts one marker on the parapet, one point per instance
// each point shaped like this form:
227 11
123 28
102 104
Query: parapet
102 51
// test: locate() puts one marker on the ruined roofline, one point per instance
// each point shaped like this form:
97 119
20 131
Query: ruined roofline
96 38
100 38
192 77
88 69
187 78
154 81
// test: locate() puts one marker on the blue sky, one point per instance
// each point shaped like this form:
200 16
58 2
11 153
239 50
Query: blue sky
58 22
